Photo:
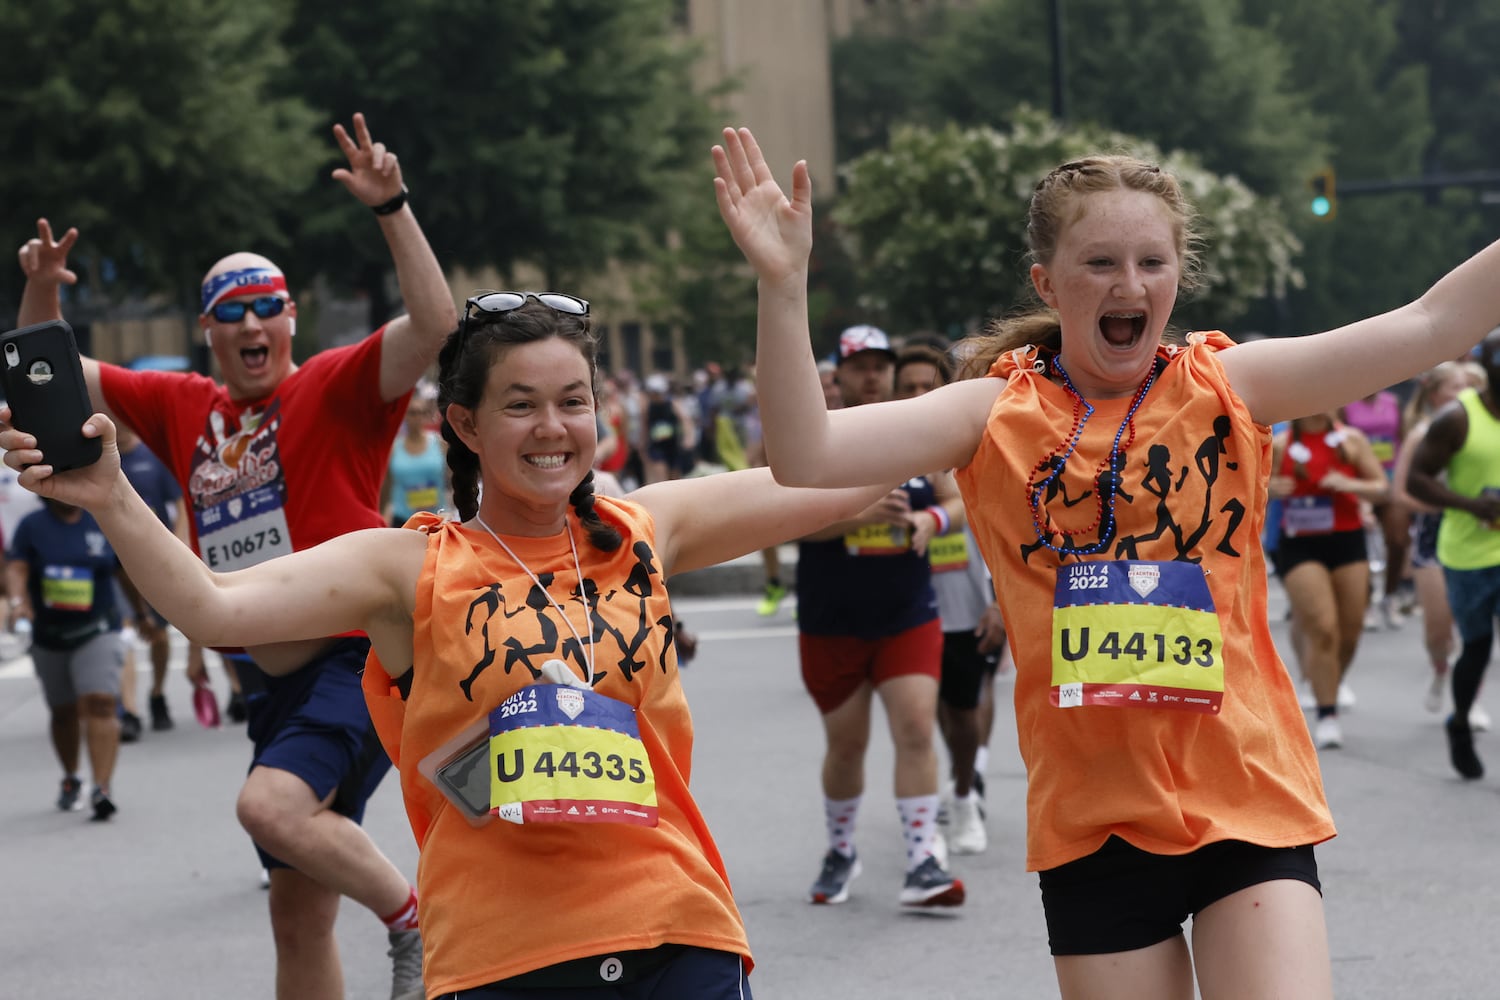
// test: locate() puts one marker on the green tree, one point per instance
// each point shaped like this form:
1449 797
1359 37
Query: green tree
938 223
1185 74
149 124
537 131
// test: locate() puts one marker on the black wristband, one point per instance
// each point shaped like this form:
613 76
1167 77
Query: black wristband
394 205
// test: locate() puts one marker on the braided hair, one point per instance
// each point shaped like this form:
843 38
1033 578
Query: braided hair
463 369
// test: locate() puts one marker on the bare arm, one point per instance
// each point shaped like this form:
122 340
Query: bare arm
44 262
16 571
1445 436
711 519
1371 483
923 524
412 341
363 580
1402 471
1280 379
806 445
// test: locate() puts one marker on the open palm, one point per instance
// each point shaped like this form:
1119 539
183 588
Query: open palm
772 231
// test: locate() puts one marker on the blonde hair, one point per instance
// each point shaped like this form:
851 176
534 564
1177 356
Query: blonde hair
1055 204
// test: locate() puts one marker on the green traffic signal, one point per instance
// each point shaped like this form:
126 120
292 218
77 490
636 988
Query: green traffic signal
1323 204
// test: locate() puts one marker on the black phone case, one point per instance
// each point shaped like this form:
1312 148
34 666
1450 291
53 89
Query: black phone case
48 397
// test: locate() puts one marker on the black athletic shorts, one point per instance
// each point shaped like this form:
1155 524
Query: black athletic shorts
1121 898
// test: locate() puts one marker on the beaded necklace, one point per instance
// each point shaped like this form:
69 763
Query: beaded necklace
1106 479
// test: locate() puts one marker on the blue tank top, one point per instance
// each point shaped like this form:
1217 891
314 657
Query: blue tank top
868 584
417 481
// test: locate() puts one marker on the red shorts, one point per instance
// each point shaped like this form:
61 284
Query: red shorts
835 666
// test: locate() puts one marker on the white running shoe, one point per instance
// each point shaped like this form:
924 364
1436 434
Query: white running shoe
1479 719
1327 734
966 829
1346 699
1433 702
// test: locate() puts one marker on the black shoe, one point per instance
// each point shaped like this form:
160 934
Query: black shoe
235 708
1461 748
103 807
161 719
130 727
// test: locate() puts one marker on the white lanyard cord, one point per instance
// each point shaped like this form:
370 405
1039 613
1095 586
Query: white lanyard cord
588 610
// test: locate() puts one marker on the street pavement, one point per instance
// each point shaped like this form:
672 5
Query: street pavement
164 900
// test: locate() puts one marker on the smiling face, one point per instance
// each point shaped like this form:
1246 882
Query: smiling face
1113 280
254 354
534 432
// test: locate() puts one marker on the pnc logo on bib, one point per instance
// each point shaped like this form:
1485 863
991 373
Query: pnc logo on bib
1143 579
570 701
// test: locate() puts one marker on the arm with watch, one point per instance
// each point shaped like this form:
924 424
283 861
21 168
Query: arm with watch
411 341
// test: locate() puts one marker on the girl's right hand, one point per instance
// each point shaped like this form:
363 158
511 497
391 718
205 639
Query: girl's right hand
89 487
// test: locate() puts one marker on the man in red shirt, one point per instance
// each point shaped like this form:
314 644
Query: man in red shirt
276 458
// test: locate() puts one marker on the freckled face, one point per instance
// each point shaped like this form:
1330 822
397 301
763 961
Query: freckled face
1113 280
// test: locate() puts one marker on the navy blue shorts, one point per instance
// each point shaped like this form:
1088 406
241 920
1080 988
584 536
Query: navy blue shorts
677 971
1121 898
313 723
1474 596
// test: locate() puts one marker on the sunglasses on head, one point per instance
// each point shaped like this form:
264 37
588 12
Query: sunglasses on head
500 303
265 307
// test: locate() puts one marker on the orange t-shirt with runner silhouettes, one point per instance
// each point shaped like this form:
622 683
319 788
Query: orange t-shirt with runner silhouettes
1150 700
505 898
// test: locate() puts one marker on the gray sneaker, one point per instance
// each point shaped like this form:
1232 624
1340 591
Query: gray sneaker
406 965
833 881
929 884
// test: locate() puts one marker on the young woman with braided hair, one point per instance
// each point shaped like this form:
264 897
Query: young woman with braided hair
1116 484
523 676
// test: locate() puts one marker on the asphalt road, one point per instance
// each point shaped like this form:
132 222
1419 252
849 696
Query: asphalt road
164 900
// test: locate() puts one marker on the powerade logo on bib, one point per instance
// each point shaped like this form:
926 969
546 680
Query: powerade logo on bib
1129 634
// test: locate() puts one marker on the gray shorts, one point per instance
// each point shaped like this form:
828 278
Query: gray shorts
93 668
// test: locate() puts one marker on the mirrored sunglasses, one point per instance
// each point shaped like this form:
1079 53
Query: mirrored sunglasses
264 307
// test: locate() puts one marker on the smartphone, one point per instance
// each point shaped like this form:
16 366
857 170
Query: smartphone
43 381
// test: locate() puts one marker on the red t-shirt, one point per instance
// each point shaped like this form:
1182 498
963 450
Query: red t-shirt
267 476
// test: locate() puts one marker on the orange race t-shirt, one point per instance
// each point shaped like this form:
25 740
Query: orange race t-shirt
1150 700
503 899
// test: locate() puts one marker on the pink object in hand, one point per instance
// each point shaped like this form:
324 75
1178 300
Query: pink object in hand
206 706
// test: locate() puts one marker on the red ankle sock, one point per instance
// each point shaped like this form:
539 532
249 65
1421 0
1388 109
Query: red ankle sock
405 918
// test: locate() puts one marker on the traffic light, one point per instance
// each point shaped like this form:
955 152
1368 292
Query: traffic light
1325 203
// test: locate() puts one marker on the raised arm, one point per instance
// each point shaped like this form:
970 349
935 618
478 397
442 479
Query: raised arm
44 262
806 445
412 341
362 580
1283 378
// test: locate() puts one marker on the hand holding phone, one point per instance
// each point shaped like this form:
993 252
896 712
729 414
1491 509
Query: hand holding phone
43 381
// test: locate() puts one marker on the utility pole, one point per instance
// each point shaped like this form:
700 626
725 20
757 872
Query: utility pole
1059 97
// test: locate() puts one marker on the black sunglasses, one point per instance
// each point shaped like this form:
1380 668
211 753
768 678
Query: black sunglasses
499 303
265 307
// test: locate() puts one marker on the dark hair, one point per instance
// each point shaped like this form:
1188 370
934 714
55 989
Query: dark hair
463 370
1056 203
925 354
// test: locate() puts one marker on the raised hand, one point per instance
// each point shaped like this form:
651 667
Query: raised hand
89 487
44 260
373 175
773 232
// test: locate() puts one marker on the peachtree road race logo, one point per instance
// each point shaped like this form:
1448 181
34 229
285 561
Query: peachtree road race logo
1143 579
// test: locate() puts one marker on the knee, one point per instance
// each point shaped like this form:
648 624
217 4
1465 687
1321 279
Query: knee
97 706
266 816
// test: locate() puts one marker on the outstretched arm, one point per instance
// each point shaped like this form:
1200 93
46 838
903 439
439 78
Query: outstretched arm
44 262
362 580
806 445
412 341
1288 377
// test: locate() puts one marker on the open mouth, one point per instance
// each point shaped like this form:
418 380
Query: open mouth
547 461
1122 329
255 358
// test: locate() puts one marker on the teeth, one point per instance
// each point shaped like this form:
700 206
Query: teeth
547 461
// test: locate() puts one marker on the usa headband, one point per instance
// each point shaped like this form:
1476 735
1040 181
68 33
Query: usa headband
250 281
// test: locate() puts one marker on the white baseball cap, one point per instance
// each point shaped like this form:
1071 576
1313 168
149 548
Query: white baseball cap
864 337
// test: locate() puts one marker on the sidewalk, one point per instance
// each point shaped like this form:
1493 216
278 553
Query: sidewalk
745 575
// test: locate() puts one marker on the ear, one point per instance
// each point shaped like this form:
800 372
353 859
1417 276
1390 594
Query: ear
1042 282
461 419
208 336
